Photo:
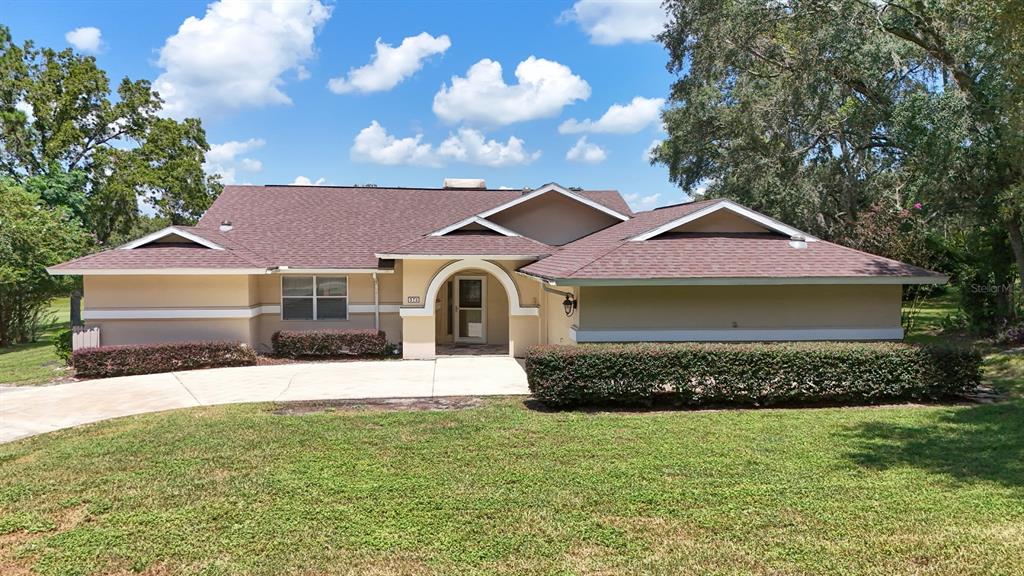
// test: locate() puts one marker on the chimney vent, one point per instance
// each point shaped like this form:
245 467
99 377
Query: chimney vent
465 184
225 226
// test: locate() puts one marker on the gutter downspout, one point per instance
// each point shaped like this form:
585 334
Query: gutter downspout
376 304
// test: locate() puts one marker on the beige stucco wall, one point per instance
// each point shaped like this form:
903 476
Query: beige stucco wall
418 337
752 307
207 292
198 291
360 288
120 332
556 323
553 219
722 221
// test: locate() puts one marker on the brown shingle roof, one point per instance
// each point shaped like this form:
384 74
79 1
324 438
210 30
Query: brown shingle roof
342 227
473 244
610 254
159 256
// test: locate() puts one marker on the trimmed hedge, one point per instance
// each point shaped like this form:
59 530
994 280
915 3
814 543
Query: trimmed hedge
748 374
108 361
328 343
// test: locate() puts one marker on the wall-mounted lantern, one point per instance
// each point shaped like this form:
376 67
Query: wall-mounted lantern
569 304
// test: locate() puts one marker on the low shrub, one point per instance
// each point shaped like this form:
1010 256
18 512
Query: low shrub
328 343
62 345
108 361
748 374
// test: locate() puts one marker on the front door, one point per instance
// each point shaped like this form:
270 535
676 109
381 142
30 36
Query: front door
470 316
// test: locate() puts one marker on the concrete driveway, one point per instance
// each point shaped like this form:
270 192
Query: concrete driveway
27 411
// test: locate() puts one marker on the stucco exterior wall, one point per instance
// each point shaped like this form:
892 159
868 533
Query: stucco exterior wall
553 219
199 291
216 292
742 307
556 323
121 332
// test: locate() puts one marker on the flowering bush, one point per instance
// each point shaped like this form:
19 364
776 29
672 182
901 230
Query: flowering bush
750 374
327 343
107 361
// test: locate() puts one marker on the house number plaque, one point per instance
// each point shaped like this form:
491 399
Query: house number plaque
413 299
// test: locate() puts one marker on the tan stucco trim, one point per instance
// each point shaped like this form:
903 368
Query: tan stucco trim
745 281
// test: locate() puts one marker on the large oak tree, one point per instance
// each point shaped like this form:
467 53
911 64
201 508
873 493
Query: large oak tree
97 153
828 112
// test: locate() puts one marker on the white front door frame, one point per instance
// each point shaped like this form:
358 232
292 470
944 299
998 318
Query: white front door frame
457 321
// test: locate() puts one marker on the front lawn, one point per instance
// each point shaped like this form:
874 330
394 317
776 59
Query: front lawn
37 362
505 489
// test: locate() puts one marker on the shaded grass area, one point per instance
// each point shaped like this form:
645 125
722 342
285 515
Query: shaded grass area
502 489
36 362
1004 366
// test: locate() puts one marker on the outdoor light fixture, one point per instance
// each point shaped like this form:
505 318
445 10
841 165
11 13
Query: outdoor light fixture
569 304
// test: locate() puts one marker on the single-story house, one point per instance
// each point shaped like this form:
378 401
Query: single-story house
443 269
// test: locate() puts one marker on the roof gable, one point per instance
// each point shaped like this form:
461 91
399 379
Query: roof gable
554 188
757 218
172 234
473 223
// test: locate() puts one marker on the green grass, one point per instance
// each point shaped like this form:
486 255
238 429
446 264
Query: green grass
504 489
36 362
1004 366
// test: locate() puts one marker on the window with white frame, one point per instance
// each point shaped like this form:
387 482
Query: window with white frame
314 297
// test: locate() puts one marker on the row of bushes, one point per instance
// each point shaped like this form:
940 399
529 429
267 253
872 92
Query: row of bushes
329 343
108 361
748 374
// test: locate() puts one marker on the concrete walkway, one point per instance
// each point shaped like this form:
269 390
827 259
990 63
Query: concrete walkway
27 411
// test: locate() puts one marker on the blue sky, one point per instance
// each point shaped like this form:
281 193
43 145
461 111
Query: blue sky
258 75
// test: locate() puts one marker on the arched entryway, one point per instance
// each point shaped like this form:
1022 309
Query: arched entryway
468 306
471 315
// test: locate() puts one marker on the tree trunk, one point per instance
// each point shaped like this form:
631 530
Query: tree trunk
76 308
1017 243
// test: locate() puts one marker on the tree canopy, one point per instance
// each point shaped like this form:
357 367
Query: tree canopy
833 114
68 137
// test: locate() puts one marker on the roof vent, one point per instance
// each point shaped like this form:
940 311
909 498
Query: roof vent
225 226
798 241
465 183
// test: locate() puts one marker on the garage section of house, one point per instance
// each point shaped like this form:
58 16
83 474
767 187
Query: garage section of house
466 269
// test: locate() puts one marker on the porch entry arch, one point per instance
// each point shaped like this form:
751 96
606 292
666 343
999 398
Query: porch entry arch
499 273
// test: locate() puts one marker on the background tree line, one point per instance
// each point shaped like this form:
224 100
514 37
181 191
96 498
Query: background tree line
76 162
891 126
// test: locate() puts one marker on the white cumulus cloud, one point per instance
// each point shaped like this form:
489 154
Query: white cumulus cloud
390 65
638 202
619 118
374 144
235 55
544 87
304 181
617 21
470 146
86 39
224 158
250 165
586 152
